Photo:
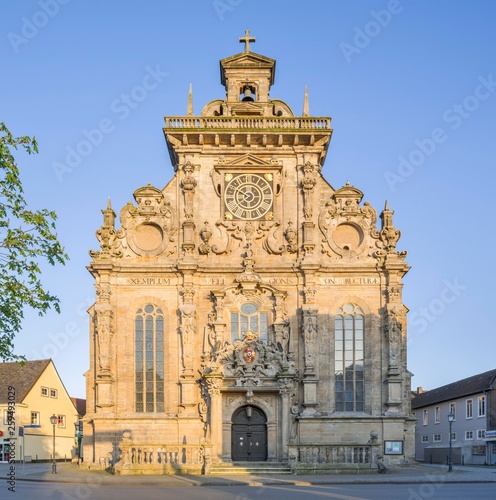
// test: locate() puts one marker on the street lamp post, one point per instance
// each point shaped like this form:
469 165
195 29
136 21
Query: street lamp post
451 417
53 421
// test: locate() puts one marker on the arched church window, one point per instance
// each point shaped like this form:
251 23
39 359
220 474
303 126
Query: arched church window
149 359
349 358
251 318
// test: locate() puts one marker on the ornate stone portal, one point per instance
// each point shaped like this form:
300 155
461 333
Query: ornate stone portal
248 310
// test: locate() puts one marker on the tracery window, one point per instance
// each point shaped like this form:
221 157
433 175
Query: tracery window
349 358
149 359
251 318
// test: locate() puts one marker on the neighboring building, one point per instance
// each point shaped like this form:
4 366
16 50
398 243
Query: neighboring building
35 392
247 311
473 402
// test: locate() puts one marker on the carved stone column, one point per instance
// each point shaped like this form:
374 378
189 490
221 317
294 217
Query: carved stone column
309 333
394 336
217 322
213 383
187 312
281 323
308 187
285 390
104 331
188 185
310 382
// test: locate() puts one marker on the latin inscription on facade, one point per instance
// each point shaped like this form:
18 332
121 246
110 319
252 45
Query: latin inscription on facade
149 281
215 281
282 281
350 281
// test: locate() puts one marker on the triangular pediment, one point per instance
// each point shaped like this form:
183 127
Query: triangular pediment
247 108
248 160
247 60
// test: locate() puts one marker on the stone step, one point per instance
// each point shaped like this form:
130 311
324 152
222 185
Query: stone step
250 468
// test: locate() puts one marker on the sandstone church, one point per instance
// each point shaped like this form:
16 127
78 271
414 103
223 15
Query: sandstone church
247 312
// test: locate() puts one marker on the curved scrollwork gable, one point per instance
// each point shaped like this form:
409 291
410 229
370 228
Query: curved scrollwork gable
148 229
349 229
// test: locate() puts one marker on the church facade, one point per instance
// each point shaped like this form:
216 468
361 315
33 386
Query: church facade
247 311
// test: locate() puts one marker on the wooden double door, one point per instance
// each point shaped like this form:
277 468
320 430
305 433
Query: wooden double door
249 435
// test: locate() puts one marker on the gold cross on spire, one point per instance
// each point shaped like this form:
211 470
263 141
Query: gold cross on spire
246 40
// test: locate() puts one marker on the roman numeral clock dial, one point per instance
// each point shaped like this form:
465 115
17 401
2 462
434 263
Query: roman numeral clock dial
248 196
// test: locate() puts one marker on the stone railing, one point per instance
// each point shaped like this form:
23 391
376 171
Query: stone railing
164 459
324 457
279 123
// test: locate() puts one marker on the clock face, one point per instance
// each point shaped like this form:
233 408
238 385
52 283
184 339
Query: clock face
248 196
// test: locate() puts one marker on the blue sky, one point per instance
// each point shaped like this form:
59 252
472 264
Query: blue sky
411 87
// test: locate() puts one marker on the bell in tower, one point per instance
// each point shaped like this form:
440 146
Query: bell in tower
247 95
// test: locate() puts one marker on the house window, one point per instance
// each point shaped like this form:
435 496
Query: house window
61 421
481 434
44 392
349 358
469 435
35 418
425 439
249 318
469 406
452 410
437 415
479 450
53 393
436 438
482 406
425 419
453 436
149 359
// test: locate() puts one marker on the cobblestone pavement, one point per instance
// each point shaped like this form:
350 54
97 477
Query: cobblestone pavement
416 474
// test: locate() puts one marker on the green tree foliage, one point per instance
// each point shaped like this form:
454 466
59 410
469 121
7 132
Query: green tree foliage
27 238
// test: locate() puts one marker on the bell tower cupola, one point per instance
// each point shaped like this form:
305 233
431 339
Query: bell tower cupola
247 76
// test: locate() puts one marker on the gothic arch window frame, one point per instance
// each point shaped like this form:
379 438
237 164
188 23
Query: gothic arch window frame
149 362
243 319
349 347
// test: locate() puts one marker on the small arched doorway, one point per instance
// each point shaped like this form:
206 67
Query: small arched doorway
249 435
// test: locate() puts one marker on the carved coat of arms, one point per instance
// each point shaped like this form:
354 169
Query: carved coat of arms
249 354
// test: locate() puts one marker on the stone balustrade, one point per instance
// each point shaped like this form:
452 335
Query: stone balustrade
326 457
163 459
265 124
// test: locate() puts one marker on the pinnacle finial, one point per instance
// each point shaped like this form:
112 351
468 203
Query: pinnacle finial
306 108
190 111
386 206
108 215
246 40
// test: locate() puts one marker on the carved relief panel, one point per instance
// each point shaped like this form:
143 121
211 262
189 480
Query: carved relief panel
254 345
